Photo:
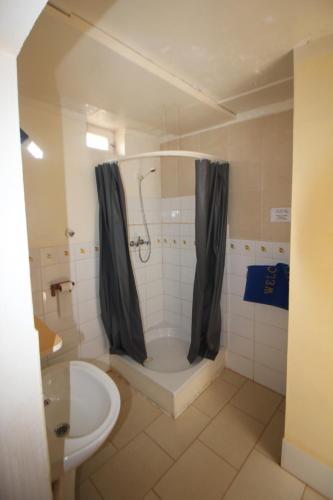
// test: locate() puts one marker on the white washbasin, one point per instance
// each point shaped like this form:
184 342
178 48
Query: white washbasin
83 396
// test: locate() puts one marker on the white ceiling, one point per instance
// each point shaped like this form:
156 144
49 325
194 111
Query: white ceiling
169 65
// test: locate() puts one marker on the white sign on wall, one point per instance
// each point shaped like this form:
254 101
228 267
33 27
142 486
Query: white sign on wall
280 214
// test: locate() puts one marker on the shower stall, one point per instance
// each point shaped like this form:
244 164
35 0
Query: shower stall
162 249
165 300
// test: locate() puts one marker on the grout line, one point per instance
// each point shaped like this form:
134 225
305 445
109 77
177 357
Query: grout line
216 454
154 491
197 438
224 404
284 470
220 410
281 410
213 418
167 470
238 387
262 385
118 450
258 450
268 424
191 443
252 449
233 480
279 465
144 428
231 483
249 414
174 460
302 497
256 442
96 488
235 385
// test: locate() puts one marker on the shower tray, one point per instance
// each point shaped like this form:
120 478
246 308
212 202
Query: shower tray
167 377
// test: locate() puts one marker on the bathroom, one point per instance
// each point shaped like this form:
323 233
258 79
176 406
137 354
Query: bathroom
219 425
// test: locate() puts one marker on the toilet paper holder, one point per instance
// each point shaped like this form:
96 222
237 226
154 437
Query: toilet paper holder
57 287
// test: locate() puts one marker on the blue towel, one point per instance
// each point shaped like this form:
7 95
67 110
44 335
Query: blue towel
268 285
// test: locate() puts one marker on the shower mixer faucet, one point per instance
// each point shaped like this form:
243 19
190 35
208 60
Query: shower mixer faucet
138 242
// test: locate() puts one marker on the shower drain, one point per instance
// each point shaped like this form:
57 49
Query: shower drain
62 430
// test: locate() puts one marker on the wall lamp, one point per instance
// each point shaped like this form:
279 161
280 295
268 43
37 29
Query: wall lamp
31 146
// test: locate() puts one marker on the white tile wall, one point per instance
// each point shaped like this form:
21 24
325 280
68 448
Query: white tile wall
87 289
75 316
239 364
271 378
257 333
86 269
91 329
239 325
241 345
186 291
179 261
271 336
88 310
94 348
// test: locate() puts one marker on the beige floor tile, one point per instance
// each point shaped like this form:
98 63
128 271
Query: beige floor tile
175 435
233 378
270 442
310 494
135 415
133 471
262 479
232 434
199 474
257 401
151 496
215 397
125 389
87 491
282 406
95 462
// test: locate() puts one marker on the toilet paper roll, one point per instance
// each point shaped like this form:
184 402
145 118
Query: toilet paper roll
66 286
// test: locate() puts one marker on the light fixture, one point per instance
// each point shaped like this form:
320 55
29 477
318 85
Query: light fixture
31 146
35 150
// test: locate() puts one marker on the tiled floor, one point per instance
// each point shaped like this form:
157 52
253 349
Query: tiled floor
227 444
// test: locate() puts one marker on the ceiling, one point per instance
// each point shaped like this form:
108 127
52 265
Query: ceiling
175 66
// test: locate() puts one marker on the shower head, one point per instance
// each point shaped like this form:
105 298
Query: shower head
151 171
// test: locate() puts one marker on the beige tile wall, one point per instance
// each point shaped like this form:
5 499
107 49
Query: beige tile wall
260 156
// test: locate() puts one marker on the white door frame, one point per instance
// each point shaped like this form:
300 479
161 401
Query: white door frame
24 460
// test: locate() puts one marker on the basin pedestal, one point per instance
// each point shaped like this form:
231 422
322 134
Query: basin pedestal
64 487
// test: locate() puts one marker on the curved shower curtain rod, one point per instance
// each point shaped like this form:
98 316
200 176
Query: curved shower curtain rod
174 153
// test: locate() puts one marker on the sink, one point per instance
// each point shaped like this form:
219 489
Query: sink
82 405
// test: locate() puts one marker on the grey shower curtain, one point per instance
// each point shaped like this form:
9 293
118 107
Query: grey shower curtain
118 295
210 237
